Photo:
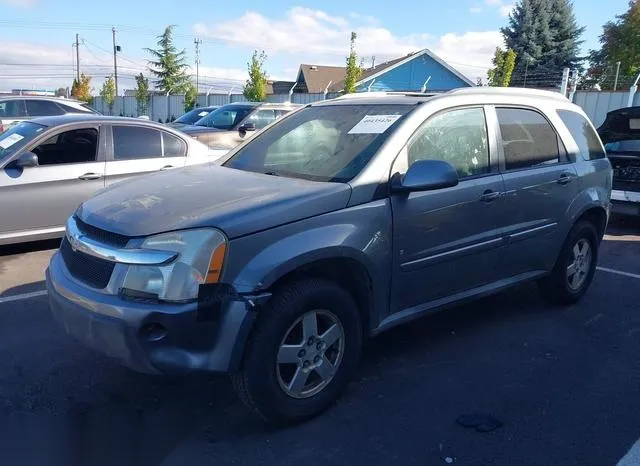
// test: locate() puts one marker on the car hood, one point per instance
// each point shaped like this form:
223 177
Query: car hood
195 129
621 125
209 195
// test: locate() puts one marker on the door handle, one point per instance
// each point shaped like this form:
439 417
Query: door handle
489 195
166 167
90 176
566 178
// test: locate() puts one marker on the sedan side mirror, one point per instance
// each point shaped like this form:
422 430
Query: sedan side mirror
426 175
245 127
28 159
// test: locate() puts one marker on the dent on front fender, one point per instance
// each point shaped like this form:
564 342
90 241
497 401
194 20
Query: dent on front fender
361 233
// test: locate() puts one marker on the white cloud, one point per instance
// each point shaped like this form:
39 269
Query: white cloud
504 8
304 35
20 3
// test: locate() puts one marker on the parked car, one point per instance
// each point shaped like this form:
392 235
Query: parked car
192 116
276 265
620 133
231 124
48 166
14 109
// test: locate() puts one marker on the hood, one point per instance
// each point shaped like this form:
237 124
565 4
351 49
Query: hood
621 125
209 195
194 129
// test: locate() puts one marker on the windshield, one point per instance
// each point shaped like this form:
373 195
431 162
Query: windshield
194 115
17 137
323 143
225 117
631 145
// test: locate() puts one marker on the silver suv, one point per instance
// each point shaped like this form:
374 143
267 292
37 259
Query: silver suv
344 219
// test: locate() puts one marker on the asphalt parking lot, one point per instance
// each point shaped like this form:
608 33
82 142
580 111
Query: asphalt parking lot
565 384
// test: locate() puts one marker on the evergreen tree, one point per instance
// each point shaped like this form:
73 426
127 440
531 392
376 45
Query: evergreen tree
545 36
169 65
354 71
190 97
255 90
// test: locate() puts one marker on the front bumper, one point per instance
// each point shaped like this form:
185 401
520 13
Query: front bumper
153 338
625 202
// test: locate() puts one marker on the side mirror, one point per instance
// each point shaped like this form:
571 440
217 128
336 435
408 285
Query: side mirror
426 175
28 159
245 127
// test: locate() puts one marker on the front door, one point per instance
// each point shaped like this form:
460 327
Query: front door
139 149
540 184
447 241
41 198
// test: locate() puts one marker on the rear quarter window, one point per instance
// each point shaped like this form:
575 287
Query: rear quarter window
583 133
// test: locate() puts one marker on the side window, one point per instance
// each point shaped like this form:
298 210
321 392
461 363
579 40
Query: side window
586 138
173 146
75 146
12 109
456 136
527 138
136 142
36 108
262 118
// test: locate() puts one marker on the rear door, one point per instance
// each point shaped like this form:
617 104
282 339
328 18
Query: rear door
540 184
40 199
136 150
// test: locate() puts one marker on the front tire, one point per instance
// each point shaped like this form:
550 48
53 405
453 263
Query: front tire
574 270
304 349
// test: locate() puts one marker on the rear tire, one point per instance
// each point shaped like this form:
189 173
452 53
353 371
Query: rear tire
305 347
574 270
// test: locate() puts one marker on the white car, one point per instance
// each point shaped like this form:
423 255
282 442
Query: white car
14 109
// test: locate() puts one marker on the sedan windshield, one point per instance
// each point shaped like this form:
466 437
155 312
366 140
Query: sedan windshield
322 143
17 137
194 115
225 117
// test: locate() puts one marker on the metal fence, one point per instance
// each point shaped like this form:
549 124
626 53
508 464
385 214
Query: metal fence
162 107
597 104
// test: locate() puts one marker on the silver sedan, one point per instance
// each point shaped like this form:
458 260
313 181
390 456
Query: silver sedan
48 166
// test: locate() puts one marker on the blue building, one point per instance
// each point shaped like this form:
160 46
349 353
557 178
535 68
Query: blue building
416 72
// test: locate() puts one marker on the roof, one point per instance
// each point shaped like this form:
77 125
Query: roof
41 97
318 77
90 118
337 74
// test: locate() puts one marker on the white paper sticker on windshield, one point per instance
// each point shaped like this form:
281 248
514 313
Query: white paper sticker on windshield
374 124
203 113
634 123
10 140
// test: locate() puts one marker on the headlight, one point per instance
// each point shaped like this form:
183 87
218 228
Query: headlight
200 260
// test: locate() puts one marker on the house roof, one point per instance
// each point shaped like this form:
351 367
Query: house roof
318 77
372 73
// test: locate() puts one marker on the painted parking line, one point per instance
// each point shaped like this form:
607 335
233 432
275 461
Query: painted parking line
632 458
618 272
19 297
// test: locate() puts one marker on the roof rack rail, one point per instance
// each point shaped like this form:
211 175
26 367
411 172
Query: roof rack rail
357 95
516 91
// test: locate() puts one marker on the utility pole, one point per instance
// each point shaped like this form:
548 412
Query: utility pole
116 48
197 42
78 58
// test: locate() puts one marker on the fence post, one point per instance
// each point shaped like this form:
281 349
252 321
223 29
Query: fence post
565 82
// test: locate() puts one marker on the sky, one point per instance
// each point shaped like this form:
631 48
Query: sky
36 36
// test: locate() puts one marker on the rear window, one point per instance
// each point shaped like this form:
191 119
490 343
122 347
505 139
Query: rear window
585 136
